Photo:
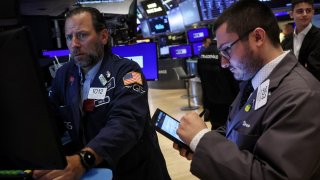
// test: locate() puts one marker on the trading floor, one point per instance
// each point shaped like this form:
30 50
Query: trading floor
170 101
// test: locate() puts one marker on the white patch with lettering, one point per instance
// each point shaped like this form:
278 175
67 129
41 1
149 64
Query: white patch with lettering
262 94
97 93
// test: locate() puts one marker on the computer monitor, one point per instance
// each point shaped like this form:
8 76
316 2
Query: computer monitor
190 12
198 34
145 54
181 51
28 131
212 9
159 25
58 52
164 50
175 20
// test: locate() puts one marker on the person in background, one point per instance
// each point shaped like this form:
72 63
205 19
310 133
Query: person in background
219 88
102 100
305 40
273 129
287 30
205 44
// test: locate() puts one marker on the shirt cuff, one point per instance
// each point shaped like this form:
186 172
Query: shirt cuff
195 141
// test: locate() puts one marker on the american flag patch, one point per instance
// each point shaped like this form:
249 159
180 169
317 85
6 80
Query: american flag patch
132 78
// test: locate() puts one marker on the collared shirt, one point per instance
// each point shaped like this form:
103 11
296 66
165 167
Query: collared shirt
87 80
298 39
265 71
260 76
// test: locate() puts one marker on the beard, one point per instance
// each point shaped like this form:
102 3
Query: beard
90 59
249 65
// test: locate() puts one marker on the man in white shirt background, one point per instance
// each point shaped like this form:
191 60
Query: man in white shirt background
305 40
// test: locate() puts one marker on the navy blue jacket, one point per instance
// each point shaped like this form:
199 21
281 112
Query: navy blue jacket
118 128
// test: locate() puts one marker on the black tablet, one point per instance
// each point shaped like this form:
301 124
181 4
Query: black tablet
167 126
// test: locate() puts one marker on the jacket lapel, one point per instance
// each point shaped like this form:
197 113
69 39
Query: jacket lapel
307 43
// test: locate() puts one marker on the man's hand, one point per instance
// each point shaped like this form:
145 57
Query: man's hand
183 152
73 171
190 125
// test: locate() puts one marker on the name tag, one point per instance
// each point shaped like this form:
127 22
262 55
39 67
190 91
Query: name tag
262 94
97 93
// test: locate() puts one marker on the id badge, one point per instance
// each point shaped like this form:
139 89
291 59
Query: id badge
97 93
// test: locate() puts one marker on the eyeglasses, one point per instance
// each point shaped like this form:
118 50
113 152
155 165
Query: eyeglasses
225 51
301 11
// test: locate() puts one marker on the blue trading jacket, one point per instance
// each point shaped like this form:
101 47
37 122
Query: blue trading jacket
118 127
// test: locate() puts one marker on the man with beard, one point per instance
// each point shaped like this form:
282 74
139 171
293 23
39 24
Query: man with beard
273 129
102 101
305 40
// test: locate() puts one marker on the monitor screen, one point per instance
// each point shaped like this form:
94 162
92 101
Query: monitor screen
29 135
145 54
164 50
196 35
58 53
190 12
159 25
181 51
175 20
212 9
196 48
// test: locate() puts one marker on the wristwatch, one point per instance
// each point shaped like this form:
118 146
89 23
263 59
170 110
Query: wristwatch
87 159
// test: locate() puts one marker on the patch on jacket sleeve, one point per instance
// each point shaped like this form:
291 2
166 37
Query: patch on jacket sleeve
132 78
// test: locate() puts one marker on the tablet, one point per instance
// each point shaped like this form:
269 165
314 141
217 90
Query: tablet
167 126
